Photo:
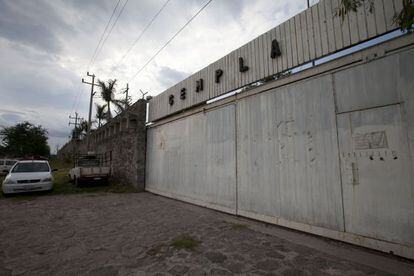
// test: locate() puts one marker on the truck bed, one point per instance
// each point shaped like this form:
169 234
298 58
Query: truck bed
90 173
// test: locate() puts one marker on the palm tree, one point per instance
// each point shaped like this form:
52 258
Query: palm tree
76 133
80 130
107 94
120 105
100 113
83 127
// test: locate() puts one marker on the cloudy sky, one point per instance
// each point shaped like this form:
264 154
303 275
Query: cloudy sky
46 46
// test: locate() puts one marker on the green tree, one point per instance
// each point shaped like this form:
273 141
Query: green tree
76 133
120 105
403 18
24 139
100 113
80 131
107 94
83 127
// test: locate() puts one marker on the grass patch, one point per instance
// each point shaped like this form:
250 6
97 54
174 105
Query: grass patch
238 226
59 164
185 242
62 184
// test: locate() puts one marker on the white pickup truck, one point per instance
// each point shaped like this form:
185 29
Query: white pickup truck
89 168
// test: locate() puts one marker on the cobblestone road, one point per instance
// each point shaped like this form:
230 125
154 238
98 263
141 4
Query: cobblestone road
132 234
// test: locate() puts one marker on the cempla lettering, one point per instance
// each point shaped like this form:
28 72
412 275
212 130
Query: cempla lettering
275 52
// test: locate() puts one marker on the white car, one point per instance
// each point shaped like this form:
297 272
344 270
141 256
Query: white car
6 165
28 176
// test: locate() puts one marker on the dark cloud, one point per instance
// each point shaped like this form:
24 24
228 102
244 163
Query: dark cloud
32 23
37 36
32 82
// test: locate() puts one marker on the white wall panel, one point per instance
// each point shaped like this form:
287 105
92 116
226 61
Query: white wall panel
376 174
368 85
405 87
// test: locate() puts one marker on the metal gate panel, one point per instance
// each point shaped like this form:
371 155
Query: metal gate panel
287 154
193 159
375 167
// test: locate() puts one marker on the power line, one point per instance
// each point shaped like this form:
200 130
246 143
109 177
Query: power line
103 40
75 102
76 98
110 31
171 39
140 35
102 36
82 91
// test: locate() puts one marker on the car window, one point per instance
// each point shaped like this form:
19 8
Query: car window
10 162
30 167
1 162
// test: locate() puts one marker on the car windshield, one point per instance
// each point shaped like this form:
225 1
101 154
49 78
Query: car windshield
31 167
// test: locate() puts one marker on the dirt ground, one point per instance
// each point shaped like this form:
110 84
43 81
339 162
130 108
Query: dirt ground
144 234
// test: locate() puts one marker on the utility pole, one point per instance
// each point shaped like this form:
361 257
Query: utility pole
76 122
92 84
125 91
75 133
126 94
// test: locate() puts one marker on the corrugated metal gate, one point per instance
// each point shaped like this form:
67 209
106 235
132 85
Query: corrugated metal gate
303 155
328 151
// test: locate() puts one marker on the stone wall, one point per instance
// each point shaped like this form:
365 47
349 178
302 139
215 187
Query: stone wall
122 140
